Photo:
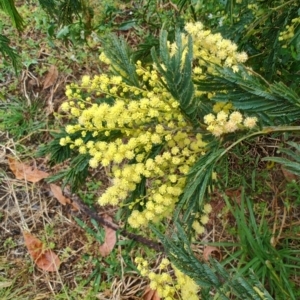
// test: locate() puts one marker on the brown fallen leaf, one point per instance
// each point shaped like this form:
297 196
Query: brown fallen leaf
23 171
289 176
110 239
150 294
51 77
57 193
45 259
207 251
234 194
75 206
49 261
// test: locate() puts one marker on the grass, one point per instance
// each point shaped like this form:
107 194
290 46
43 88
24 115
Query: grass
261 250
22 119
83 271
255 223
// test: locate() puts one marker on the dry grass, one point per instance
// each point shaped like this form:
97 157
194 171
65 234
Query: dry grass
30 207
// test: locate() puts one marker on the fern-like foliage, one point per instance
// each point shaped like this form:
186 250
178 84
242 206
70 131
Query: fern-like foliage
63 11
8 6
177 71
143 51
210 277
249 93
77 171
57 153
67 9
75 175
7 51
49 6
121 57
199 178
292 160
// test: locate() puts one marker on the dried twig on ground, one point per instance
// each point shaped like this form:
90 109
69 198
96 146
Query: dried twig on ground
136 237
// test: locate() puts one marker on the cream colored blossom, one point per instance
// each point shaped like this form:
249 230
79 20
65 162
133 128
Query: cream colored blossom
250 122
208 119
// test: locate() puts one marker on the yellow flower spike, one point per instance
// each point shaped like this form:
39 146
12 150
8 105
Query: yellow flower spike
207 208
250 122
199 229
136 122
204 219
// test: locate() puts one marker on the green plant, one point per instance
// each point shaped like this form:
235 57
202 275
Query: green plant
21 118
9 243
88 196
291 160
13 293
163 128
268 31
80 291
212 277
8 7
105 268
261 252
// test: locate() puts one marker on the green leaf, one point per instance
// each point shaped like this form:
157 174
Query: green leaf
199 178
250 93
120 55
292 161
177 72
212 275
7 51
8 6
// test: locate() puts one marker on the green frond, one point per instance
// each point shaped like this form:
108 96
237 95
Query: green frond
183 258
210 275
249 93
281 90
120 55
292 160
75 175
58 153
63 11
8 6
199 178
49 6
143 51
7 51
177 71
67 10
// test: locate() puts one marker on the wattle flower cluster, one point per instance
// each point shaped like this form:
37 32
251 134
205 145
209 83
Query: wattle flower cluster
168 287
151 120
224 122
201 221
210 49
140 134
287 35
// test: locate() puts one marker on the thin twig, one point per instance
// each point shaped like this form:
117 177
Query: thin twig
92 214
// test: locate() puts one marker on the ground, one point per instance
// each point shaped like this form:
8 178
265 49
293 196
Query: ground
29 112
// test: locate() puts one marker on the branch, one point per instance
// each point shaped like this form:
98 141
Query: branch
92 214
